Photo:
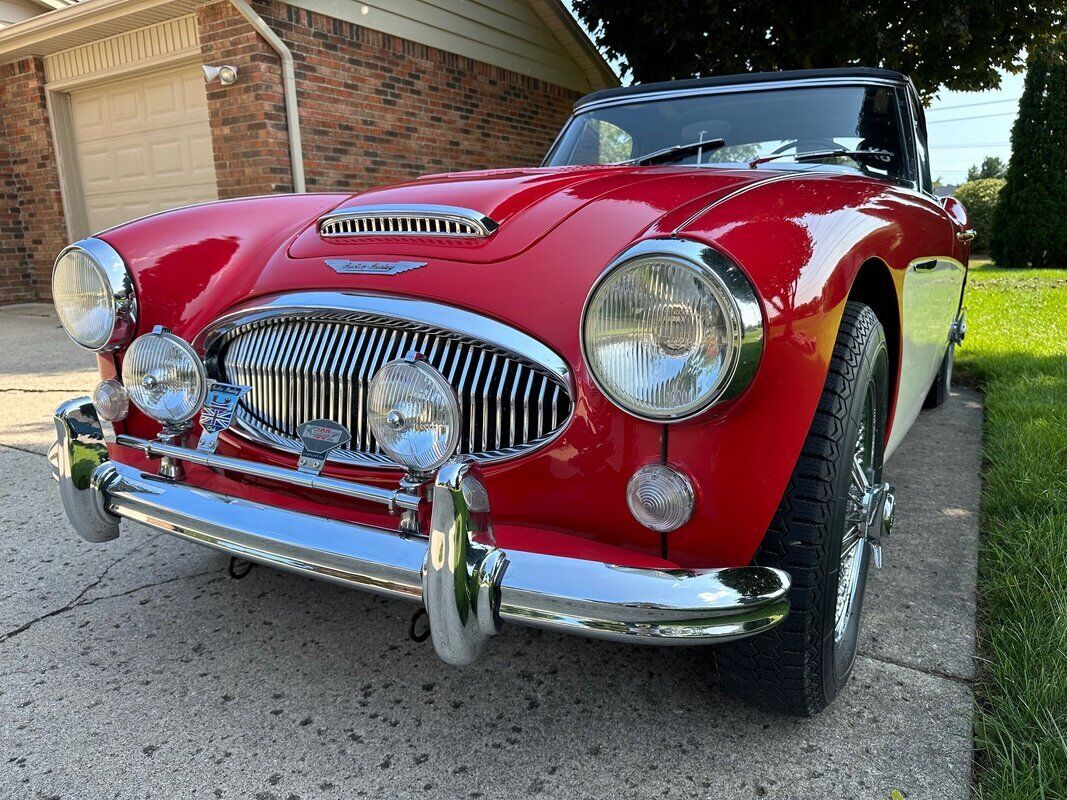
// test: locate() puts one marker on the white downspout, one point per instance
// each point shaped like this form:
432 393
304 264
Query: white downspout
292 117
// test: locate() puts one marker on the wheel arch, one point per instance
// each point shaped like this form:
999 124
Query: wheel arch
874 287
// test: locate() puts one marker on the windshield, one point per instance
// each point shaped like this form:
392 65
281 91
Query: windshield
753 124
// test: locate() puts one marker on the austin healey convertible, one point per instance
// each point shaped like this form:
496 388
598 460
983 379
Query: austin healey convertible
642 392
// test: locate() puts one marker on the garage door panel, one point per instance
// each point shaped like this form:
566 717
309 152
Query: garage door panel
143 145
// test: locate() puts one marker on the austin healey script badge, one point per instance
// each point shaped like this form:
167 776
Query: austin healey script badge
217 414
345 266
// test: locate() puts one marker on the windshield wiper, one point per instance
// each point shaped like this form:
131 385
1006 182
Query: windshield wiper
668 154
883 156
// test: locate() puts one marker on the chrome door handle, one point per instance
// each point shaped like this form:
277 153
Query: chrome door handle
967 235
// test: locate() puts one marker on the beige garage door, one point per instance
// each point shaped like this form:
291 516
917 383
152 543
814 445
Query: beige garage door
143 144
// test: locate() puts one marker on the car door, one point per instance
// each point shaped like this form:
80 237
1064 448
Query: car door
933 286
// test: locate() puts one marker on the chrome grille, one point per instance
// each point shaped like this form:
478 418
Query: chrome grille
303 368
398 220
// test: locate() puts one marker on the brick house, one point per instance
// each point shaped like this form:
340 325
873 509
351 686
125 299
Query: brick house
106 114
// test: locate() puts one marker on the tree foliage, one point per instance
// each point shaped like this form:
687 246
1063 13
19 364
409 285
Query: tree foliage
991 167
1029 229
979 197
959 45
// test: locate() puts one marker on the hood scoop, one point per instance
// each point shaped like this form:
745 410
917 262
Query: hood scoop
429 221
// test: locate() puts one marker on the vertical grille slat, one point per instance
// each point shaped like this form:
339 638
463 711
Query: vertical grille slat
303 368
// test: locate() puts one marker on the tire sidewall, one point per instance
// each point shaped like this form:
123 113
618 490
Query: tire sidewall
838 659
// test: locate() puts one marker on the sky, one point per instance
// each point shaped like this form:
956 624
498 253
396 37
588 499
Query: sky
963 127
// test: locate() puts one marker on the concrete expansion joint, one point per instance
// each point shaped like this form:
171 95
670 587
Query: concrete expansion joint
934 673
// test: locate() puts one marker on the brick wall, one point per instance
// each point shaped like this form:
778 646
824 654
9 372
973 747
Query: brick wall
29 180
374 108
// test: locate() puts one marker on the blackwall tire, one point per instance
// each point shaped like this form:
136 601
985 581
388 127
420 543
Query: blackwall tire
800 666
942 386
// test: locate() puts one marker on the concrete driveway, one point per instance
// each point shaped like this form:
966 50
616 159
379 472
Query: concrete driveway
138 669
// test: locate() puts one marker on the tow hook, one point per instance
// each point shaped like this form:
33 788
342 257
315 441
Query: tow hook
414 633
239 568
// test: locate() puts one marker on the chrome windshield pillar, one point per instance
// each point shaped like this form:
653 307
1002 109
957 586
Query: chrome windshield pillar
463 571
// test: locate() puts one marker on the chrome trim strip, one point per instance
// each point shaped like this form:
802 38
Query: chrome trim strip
742 190
747 313
421 220
735 88
381 308
470 585
120 285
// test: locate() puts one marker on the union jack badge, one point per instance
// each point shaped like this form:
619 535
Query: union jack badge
217 413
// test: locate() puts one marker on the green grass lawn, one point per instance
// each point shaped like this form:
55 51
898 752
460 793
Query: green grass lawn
1016 349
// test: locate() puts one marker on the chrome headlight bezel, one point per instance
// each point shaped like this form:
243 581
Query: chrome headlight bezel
117 281
738 299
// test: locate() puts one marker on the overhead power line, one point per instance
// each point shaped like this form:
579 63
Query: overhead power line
968 146
964 119
972 105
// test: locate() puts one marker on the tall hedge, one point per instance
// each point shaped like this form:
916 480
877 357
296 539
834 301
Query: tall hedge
1030 226
980 199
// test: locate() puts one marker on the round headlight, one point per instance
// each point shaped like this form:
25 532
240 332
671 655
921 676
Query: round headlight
93 295
664 332
413 413
164 377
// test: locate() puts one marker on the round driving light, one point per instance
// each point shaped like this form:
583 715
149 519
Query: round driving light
111 401
93 295
660 498
164 377
413 413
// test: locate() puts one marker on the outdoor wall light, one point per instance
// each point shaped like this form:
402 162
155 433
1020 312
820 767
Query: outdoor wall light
226 74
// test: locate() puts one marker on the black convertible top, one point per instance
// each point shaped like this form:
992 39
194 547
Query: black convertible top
750 77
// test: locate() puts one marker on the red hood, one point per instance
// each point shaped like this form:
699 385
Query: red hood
529 204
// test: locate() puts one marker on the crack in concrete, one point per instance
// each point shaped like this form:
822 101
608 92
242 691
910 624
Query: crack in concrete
22 450
79 600
934 673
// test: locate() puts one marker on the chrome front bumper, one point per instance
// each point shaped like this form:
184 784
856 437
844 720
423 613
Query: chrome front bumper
467 584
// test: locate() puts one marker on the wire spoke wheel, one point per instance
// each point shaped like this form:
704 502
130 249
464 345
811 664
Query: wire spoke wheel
853 541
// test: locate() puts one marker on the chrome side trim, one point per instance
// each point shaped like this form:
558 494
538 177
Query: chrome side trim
120 285
406 220
737 288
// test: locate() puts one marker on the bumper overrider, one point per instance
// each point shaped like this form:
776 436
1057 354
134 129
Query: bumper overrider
450 564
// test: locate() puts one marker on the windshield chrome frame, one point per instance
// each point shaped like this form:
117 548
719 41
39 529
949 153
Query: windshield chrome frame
913 181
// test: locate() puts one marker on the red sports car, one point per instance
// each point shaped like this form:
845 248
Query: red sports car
642 392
